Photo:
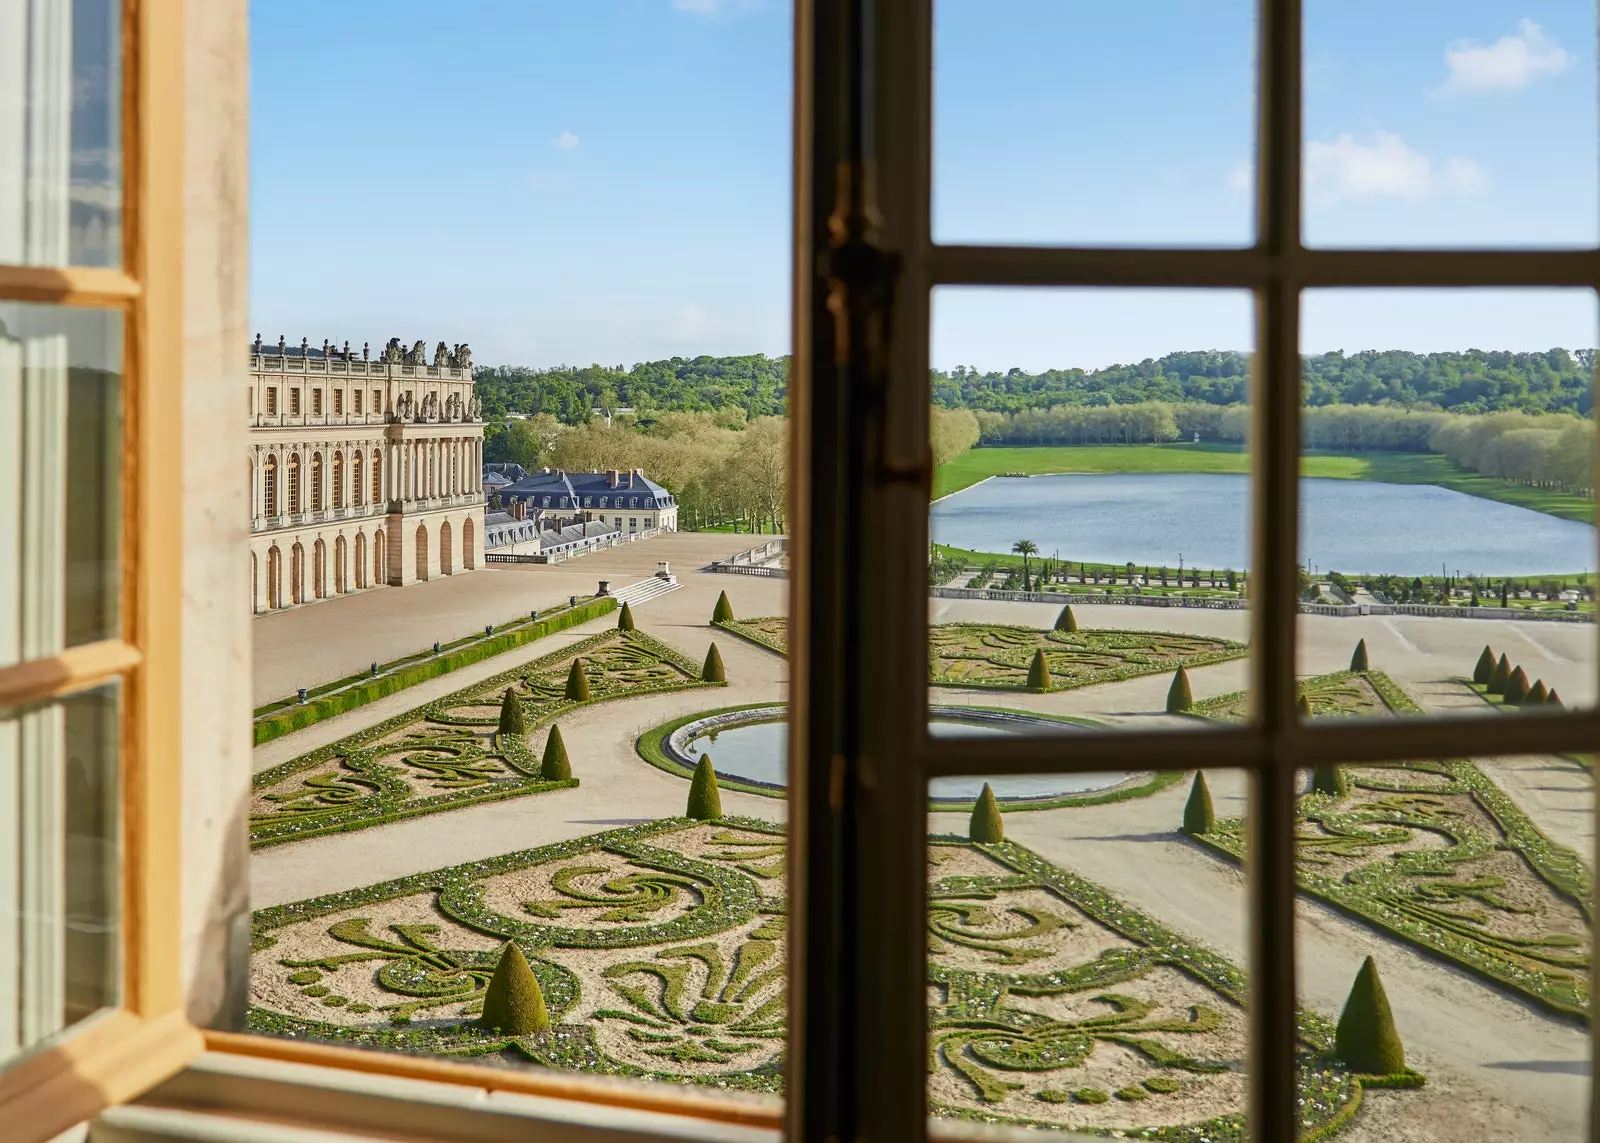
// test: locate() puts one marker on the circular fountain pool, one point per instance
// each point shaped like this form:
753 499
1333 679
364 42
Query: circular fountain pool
749 746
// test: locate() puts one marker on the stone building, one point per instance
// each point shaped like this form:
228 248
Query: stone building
363 472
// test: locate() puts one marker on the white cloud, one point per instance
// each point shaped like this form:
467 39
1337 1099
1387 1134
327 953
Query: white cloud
1347 170
1242 175
1510 62
566 140
698 7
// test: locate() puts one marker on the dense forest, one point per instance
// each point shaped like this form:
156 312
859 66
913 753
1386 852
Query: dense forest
1520 416
1474 381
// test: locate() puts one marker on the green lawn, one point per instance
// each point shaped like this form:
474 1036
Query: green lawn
1388 467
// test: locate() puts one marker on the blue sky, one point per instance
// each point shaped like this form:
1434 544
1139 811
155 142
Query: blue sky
558 181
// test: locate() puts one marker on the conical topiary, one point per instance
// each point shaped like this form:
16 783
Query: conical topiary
1302 705
1554 699
555 767
1366 1039
1039 672
514 1003
511 720
1500 677
625 618
1180 697
1537 695
713 670
1326 778
705 798
723 612
577 683
986 825
1066 621
1358 661
1198 816
1516 688
1484 671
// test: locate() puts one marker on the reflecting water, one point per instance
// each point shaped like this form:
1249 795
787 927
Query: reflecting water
757 753
1346 525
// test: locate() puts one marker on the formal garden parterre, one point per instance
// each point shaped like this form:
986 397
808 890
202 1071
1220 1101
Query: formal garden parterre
448 753
1437 854
997 655
659 953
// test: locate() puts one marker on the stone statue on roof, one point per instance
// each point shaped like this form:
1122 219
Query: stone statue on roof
393 354
441 356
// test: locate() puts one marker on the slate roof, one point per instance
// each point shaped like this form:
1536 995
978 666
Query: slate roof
576 491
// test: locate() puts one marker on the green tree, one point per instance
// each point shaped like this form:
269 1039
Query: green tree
1025 548
1198 816
513 1003
705 797
1327 778
1302 705
1066 621
577 683
555 767
723 612
986 824
1516 688
1366 1038
1180 697
1501 677
1537 695
1554 699
713 670
625 618
511 720
1484 671
1039 672
1359 660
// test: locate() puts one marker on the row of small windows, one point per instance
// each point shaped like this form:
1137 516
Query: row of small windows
356 396
588 502
292 484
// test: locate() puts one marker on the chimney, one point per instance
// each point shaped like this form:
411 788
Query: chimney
519 510
612 475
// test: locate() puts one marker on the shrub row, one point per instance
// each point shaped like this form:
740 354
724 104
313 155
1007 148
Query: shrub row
298 716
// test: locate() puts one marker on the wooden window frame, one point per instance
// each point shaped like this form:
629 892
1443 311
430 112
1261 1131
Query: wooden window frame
119 1052
860 753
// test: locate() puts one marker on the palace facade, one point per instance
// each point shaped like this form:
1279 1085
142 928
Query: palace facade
364 472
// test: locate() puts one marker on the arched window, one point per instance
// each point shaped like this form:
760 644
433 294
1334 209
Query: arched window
377 477
294 482
357 490
269 486
338 480
316 482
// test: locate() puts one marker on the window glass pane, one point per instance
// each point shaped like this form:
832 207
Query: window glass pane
1088 124
1462 124
1089 566
1086 962
60 477
60 866
1444 902
1447 500
61 132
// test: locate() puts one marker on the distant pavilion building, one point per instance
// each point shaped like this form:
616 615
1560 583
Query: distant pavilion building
364 473
568 511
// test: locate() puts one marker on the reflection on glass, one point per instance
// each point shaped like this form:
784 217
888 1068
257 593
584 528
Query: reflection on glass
60 866
1090 525
61 132
1464 125
1443 488
1093 123
1443 930
1085 958
60 456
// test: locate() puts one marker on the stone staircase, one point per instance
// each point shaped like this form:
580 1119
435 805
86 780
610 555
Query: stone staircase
644 590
